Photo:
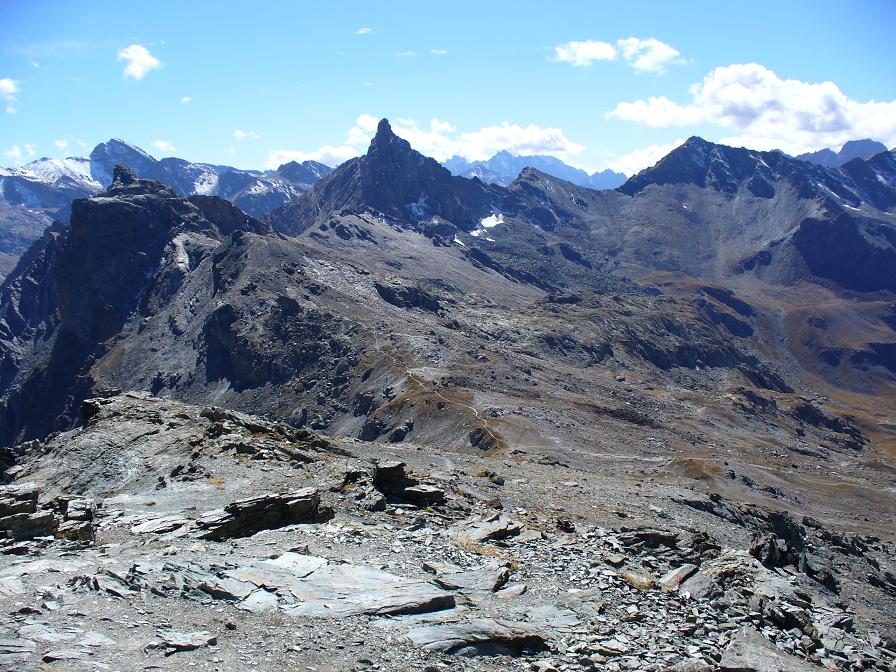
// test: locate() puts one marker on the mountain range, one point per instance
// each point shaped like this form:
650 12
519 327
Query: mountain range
672 398
854 149
504 167
726 231
33 196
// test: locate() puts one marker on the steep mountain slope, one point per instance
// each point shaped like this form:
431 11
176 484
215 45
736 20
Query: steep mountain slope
504 167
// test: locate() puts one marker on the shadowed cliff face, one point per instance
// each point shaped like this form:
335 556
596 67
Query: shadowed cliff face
76 290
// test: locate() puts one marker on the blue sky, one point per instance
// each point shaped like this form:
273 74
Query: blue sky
597 84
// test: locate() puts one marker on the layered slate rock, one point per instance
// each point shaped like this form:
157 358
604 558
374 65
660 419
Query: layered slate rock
245 517
302 585
482 636
749 651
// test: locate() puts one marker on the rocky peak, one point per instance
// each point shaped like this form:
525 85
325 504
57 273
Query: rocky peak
395 180
122 176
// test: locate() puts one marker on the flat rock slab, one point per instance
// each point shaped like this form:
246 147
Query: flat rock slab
749 651
493 528
346 590
487 578
482 636
160 525
296 583
173 642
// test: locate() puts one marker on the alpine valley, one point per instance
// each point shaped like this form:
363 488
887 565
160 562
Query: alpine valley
400 415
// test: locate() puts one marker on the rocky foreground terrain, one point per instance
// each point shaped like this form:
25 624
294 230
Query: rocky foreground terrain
166 536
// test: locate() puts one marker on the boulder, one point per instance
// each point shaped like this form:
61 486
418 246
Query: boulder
671 580
245 517
29 525
20 498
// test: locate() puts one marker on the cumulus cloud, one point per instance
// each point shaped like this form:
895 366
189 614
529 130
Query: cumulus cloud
584 53
240 134
8 90
642 158
441 140
61 144
765 111
363 31
648 55
643 54
140 61
185 100
164 146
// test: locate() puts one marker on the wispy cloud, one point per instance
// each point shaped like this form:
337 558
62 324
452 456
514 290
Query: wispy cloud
240 134
438 52
8 90
405 54
642 54
164 146
185 100
15 153
140 61
61 144
363 31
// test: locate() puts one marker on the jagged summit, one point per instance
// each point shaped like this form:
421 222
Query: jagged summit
395 180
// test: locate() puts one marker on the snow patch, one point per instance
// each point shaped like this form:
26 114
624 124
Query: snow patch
492 220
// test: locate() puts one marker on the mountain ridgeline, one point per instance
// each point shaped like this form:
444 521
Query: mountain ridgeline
717 269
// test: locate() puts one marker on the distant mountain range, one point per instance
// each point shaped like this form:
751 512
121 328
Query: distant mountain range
854 149
33 196
504 167
36 194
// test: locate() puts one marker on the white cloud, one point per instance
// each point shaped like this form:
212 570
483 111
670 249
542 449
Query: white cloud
139 61
8 90
441 140
584 53
15 153
438 52
185 100
240 134
61 144
31 150
363 31
164 146
764 111
648 55
231 151
644 55
658 112
635 161
404 54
